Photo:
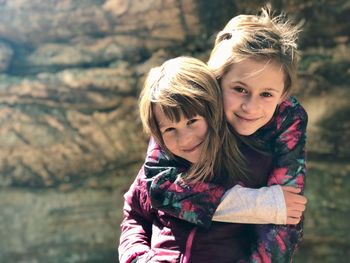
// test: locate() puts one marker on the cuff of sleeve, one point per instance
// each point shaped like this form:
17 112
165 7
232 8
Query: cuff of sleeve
130 257
281 211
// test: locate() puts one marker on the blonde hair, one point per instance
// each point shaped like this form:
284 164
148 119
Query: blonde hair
185 86
259 37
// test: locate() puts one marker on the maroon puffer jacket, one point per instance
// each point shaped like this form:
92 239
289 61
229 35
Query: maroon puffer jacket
162 238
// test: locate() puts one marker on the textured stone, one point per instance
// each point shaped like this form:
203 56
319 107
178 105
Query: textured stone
6 54
70 136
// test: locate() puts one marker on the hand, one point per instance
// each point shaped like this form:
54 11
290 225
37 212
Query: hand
295 204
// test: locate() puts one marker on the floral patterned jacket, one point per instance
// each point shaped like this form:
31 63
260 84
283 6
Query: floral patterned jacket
285 137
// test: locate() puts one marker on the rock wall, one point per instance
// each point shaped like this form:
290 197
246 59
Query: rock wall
70 137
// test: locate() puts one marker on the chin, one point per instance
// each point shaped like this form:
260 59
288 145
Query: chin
246 133
193 161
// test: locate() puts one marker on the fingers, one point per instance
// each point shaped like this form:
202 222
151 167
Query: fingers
300 199
294 214
292 221
295 206
294 217
299 207
291 195
291 189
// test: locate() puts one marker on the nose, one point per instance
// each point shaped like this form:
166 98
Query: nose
184 138
250 105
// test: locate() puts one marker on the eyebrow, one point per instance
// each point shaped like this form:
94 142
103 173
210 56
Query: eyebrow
245 84
272 89
161 125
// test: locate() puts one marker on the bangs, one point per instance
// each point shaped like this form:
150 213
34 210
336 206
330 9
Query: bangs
179 105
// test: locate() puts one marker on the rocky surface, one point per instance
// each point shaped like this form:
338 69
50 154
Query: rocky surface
70 137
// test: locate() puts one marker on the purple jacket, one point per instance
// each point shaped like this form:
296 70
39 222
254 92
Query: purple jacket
161 237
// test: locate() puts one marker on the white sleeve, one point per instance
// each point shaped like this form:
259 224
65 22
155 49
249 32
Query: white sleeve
265 205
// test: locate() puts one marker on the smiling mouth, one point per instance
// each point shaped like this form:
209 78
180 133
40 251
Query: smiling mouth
193 149
246 119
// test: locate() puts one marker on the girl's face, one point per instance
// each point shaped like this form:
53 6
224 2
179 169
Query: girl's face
251 92
184 138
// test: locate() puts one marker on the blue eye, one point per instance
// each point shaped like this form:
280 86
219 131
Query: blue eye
266 94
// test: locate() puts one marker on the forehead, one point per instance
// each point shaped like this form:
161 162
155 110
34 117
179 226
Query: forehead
161 118
259 73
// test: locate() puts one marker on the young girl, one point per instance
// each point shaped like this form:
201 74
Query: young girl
181 107
255 61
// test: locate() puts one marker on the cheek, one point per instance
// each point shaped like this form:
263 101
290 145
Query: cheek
203 130
270 109
226 105
227 101
230 100
169 142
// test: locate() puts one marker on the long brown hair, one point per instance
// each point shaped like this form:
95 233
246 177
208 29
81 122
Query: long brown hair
185 86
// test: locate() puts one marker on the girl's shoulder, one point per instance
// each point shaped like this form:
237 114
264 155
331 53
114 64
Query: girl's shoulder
290 109
289 113
289 116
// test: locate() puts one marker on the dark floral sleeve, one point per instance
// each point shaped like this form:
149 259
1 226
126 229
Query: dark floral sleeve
195 203
277 243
